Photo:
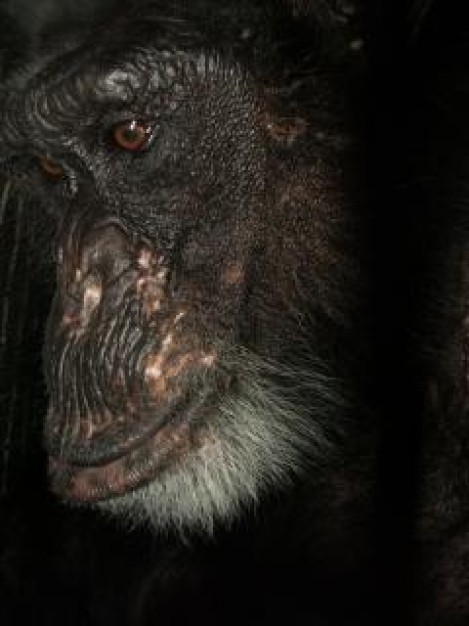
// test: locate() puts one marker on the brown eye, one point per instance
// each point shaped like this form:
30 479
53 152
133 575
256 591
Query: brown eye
131 135
51 168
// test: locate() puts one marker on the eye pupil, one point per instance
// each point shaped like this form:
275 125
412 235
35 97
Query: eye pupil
131 135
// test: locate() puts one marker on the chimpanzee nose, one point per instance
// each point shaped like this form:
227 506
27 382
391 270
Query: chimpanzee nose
87 266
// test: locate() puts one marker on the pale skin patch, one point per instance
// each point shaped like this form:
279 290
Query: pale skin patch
208 360
150 285
92 293
167 341
92 296
146 258
158 373
154 369
162 274
150 290
179 317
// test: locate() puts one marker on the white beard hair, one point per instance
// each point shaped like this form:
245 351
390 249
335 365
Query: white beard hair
278 423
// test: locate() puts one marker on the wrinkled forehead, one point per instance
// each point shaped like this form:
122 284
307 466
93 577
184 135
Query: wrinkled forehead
116 65
143 63
108 76
120 50
73 95
145 39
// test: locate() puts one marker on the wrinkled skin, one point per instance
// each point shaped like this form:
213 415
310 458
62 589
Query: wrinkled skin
203 348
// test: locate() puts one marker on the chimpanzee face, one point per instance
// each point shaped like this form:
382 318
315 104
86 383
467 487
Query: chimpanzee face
199 218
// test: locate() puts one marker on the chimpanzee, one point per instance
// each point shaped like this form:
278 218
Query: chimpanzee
199 172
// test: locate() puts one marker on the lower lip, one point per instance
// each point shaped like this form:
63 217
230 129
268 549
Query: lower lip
132 470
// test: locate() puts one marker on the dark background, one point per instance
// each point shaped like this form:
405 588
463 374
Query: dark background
68 567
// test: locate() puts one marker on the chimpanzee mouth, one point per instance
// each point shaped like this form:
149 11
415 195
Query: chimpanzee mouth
119 438
138 463
112 429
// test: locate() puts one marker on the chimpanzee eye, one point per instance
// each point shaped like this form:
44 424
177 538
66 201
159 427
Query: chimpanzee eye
50 168
131 135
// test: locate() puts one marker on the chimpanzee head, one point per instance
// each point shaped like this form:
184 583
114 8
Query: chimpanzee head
191 157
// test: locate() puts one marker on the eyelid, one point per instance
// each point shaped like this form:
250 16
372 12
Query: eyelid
109 118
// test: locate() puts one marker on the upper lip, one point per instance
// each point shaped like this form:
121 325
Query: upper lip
101 450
